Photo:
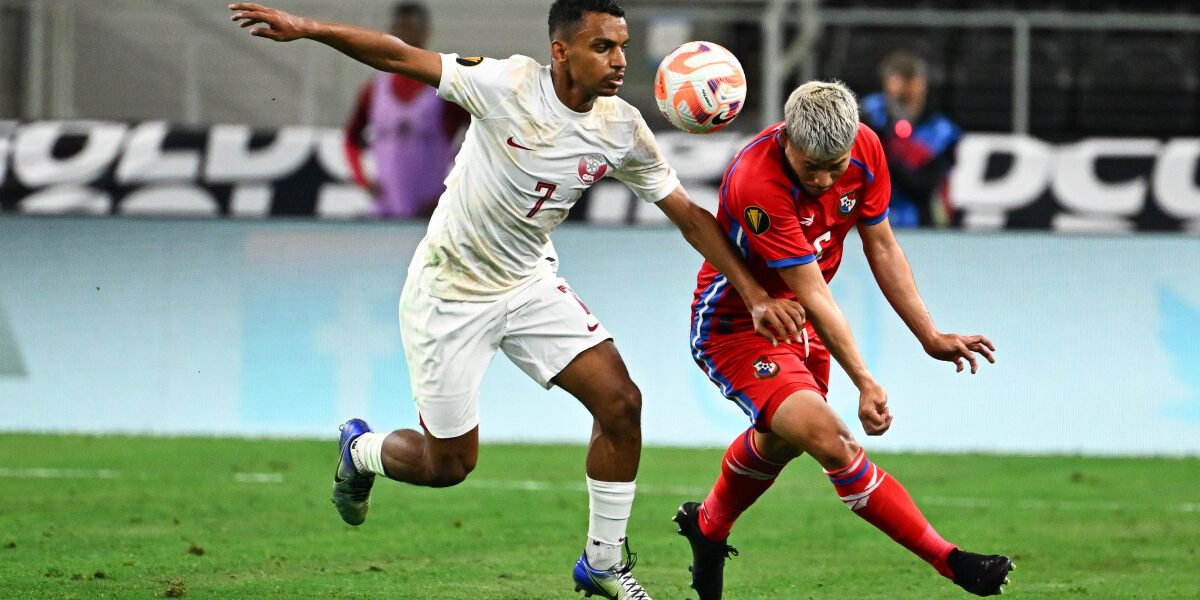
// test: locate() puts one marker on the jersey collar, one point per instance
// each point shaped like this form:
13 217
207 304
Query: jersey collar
787 167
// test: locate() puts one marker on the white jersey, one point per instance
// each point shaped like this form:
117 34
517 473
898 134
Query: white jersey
526 160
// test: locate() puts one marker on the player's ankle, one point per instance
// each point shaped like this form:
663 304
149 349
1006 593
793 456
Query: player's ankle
367 453
942 563
714 530
602 556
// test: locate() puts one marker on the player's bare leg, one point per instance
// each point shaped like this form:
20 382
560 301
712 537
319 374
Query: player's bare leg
599 379
421 459
404 455
805 422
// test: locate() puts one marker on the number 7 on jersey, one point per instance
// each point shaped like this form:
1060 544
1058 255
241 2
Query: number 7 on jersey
548 189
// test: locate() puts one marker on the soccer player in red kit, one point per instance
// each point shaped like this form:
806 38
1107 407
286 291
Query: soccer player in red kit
787 201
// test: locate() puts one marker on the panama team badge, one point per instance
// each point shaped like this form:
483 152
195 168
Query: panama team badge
848 201
765 368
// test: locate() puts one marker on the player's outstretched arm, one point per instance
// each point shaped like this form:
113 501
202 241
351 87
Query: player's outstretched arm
377 49
809 286
776 319
895 279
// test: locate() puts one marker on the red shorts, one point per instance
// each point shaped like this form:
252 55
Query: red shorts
757 376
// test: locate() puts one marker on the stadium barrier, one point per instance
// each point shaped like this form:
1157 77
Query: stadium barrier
151 168
286 327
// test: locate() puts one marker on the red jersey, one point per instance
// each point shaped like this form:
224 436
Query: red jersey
774 223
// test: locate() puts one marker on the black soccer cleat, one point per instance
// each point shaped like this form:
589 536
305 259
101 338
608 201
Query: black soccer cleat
980 574
708 557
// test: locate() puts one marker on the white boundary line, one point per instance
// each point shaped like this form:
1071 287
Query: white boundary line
36 473
258 477
59 474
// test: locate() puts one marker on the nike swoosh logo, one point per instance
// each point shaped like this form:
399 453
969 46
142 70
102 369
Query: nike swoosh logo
717 120
593 327
513 142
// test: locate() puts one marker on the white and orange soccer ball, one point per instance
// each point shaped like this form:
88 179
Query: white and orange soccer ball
700 87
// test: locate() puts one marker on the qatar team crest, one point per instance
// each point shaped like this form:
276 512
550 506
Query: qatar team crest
848 202
591 168
765 368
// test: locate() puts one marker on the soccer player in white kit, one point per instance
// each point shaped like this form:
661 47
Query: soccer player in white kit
485 276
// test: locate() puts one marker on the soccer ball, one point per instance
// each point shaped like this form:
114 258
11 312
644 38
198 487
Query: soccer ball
700 87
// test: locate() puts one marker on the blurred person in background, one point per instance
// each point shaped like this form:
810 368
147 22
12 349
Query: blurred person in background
411 132
919 142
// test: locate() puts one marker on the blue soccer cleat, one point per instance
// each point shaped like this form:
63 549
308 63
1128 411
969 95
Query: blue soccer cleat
616 583
351 487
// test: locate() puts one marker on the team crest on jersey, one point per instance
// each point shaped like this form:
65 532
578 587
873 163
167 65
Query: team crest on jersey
848 201
765 368
591 168
757 220
469 61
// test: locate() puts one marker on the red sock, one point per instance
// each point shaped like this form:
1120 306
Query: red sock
877 497
745 475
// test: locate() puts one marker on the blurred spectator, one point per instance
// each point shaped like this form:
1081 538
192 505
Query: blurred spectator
412 132
919 142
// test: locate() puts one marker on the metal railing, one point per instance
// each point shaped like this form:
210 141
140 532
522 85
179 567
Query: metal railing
49 62
811 20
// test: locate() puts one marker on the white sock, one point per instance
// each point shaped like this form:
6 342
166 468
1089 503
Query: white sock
367 453
610 504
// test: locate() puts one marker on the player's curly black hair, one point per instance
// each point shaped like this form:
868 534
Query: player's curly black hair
564 13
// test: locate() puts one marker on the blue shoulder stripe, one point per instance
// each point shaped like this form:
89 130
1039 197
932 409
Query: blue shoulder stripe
792 261
870 175
875 220
738 160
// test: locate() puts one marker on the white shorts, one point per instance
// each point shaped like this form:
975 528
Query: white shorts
541 327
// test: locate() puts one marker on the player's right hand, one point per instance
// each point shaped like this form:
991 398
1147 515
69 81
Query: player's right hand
778 319
280 26
873 409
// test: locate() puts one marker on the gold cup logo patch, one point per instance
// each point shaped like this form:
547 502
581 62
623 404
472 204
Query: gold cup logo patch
757 220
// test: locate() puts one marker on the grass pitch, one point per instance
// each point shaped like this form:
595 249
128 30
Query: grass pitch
108 517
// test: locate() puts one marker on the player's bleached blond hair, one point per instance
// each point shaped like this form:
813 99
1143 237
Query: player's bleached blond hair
821 119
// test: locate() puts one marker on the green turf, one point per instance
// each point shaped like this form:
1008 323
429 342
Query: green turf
142 517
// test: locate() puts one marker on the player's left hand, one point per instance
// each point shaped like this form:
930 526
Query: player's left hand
778 319
280 26
955 348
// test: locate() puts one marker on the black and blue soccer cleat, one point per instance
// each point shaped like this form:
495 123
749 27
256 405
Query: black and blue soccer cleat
351 487
616 583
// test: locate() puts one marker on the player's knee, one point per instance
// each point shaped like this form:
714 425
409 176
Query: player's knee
620 412
451 471
835 450
449 477
627 408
